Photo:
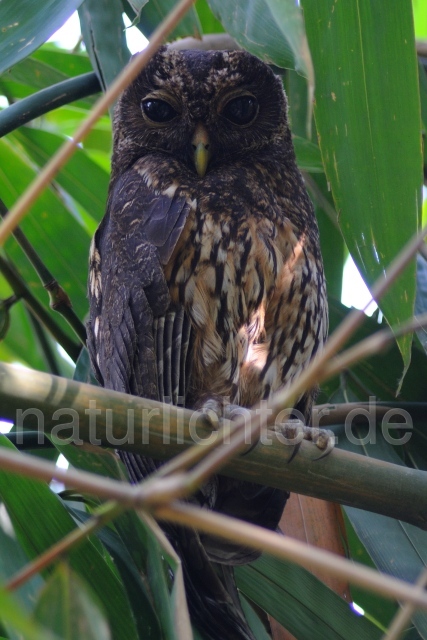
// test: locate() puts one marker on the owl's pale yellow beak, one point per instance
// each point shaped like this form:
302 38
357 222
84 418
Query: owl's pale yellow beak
201 149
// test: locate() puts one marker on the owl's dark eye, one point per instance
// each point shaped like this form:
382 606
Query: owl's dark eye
158 110
241 110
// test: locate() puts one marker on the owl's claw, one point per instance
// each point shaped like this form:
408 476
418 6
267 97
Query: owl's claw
294 431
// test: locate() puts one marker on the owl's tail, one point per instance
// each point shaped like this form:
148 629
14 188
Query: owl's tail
212 595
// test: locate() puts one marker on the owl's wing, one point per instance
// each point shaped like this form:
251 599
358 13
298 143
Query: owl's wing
127 288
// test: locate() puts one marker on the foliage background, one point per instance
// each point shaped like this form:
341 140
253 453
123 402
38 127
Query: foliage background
362 159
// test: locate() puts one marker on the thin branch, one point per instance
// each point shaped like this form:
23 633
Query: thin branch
46 346
130 72
21 290
149 493
330 414
293 550
404 615
58 298
370 346
100 517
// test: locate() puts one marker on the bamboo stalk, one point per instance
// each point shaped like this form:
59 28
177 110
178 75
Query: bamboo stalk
109 418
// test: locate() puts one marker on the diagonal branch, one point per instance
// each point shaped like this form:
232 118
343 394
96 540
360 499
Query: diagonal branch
58 298
146 497
21 290
289 549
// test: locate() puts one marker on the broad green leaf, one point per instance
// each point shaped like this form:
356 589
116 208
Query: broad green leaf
376 607
48 224
50 522
175 620
65 121
137 5
377 375
420 18
288 17
19 344
16 619
422 76
369 134
333 252
25 25
71 63
81 177
35 74
207 19
12 560
108 55
253 25
70 609
395 547
83 371
134 582
308 155
152 13
301 602
254 622
296 91
331 241
149 556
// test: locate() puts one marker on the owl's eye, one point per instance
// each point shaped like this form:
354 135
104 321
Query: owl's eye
158 110
241 110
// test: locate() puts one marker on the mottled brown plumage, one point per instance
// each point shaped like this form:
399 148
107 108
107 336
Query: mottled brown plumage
206 279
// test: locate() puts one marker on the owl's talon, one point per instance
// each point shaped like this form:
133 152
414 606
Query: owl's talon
294 452
294 431
324 439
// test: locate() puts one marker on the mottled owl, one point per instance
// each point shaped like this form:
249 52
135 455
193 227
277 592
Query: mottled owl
206 282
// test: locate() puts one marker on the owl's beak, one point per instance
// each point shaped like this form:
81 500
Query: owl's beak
201 149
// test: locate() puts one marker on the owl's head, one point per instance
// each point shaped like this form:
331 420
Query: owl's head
203 108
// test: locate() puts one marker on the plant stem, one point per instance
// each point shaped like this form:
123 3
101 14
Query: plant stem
58 298
46 100
101 516
293 550
21 290
404 615
210 522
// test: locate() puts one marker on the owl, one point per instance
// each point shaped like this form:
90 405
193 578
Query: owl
206 282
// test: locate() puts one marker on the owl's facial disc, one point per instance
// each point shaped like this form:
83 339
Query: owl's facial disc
201 148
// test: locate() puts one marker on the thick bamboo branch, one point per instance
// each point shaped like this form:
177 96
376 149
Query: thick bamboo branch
46 100
102 417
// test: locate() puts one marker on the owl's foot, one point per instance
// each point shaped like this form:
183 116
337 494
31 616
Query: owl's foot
222 414
294 431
